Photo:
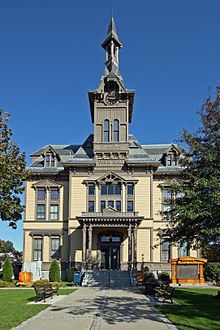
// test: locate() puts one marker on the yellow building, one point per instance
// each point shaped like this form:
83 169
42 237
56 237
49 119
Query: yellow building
99 205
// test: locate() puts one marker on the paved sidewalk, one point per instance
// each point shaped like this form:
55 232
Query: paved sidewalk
99 309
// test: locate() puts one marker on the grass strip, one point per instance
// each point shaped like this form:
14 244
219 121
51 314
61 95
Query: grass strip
14 309
199 309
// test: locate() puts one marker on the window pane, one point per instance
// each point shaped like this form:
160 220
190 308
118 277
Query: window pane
110 190
55 245
91 206
118 206
91 189
165 251
106 131
52 157
103 190
103 205
37 255
41 211
47 160
130 206
41 194
111 203
130 189
116 239
184 249
118 189
54 210
167 193
105 238
116 130
54 194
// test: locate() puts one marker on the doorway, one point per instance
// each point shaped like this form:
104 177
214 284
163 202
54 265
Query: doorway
110 250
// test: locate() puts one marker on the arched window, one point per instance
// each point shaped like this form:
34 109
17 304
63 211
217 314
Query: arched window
106 130
116 130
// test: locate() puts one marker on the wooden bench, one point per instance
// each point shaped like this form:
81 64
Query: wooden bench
165 291
45 290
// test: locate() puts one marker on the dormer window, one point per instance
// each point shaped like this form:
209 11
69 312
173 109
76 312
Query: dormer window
50 159
171 159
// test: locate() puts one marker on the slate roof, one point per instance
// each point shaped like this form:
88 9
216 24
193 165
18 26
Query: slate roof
83 154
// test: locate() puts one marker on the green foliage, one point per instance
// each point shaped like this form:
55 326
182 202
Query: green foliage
70 274
6 247
149 276
195 208
40 282
7 271
164 277
212 252
3 284
12 174
54 272
212 271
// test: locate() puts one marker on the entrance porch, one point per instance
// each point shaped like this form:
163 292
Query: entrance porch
109 240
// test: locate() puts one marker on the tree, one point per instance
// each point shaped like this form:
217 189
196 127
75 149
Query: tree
12 174
7 270
54 272
6 247
195 207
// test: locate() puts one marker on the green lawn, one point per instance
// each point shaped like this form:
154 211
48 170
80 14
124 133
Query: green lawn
13 308
199 309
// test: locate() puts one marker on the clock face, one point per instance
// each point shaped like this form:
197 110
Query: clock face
112 98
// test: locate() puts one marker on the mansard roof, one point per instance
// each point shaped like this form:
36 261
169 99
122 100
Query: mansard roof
83 155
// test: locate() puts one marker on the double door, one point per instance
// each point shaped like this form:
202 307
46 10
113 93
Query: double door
110 257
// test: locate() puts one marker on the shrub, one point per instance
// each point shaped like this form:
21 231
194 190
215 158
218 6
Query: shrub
69 274
212 271
3 284
39 282
7 270
164 277
54 272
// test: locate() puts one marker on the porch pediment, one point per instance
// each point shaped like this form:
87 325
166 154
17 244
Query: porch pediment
110 218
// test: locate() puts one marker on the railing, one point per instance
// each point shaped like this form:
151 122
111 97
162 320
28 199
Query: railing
109 213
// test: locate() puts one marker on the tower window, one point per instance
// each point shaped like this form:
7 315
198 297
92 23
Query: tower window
116 130
106 131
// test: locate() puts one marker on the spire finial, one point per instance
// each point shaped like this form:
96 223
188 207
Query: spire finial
112 45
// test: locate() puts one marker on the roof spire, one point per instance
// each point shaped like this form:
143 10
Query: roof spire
112 45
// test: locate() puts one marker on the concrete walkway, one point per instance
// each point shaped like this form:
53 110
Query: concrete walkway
100 309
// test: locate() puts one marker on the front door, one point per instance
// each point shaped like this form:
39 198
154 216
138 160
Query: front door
110 257
110 251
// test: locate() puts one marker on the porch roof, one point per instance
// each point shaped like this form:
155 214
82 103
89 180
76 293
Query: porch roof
110 219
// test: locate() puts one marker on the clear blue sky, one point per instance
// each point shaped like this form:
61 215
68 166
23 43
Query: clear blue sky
51 56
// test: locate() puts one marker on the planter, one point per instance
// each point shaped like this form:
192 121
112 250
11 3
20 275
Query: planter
25 277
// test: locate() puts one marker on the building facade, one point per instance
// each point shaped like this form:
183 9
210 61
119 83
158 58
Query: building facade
99 205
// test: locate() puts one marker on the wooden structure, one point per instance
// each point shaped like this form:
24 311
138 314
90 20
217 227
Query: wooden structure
187 270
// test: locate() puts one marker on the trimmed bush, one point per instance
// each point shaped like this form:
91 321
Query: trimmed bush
39 282
70 274
54 272
212 271
164 277
3 284
7 270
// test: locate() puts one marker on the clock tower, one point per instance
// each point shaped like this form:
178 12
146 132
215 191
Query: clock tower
111 107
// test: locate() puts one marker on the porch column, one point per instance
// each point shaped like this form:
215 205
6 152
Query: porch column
129 247
90 247
135 248
84 245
